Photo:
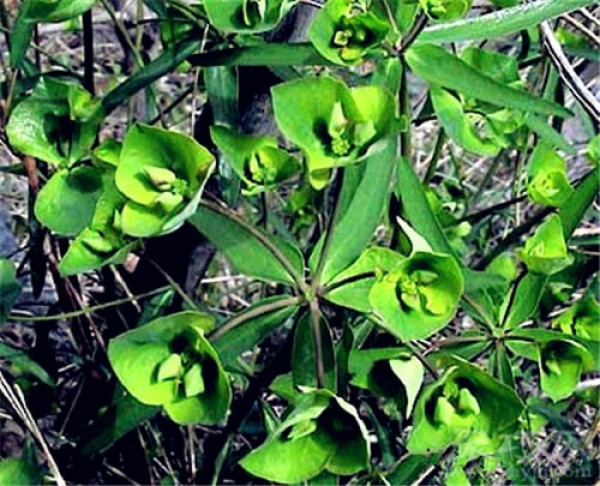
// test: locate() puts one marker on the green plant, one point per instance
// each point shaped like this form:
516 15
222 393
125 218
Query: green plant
381 332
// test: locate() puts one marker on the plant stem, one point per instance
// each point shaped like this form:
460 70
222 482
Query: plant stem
88 52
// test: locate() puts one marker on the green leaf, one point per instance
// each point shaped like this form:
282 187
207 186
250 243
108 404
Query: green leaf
10 289
333 125
21 363
269 54
388 372
161 174
252 326
546 251
433 63
502 22
34 11
56 123
246 16
66 204
15 472
581 319
307 350
322 433
250 251
345 35
465 407
354 229
122 416
143 362
458 125
411 467
548 181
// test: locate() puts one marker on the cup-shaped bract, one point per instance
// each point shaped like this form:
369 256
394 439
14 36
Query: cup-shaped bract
548 181
169 362
257 160
465 407
322 433
444 10
161 174
246 16
546 251
346 33
333 125
419 296
561 363
57 123
581 319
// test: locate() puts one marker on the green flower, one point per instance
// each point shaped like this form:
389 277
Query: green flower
546 251
57 123
332 124
322 433
169 362
444 10
581 319
419 296
346 33
548 181
246 16
465 407
256 160
561 363
161 175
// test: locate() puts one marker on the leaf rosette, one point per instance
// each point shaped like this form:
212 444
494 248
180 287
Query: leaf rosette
258 161
465 407
322 433
546 251
346 32
56 123
419 296
332 124
161 174
169 362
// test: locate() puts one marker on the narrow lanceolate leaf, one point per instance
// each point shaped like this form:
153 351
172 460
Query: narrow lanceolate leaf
356 226
250 251
437 66
145 76
502 22
250 327
262 55
529 291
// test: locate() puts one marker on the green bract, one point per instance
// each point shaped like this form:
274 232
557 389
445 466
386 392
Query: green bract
546 251
581 319
246 16
345 32
444 10
56 123
466 407
333 125
419 296
548 181
256 160
561 363
322 433
169 362
161 175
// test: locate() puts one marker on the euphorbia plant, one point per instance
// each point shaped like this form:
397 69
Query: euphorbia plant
396 315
